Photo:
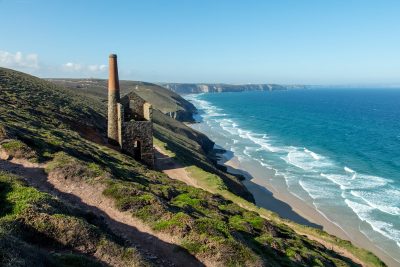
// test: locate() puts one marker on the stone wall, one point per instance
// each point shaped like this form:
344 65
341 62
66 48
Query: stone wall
147 111
137 141
133 102
121 120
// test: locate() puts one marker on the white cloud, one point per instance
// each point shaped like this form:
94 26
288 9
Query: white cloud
29 63
72 66
19 60
97 68
76 67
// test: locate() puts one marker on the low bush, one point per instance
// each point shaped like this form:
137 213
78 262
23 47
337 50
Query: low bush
19 150
31 220
71 168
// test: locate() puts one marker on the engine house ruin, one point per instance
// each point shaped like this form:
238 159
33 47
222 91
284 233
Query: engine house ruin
129 120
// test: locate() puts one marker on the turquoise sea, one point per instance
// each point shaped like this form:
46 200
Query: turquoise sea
338 150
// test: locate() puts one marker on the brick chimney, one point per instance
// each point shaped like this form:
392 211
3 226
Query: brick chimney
113 100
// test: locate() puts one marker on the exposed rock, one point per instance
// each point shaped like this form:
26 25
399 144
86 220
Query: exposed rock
192 88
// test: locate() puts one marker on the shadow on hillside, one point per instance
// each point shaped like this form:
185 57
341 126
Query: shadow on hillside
5 205
164 162
169 254
268 201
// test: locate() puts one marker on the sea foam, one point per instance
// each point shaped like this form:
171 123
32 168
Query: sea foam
323 179
364 212
374 199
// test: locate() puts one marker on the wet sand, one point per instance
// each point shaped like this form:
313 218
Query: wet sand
279 200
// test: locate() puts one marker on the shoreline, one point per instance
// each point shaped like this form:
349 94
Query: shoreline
288 206
269 197
271 190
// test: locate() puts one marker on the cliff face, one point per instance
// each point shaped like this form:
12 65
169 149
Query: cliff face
193 88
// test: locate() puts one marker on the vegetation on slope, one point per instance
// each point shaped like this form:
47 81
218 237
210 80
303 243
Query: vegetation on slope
189 153
209 226
39 230
162 99
214 184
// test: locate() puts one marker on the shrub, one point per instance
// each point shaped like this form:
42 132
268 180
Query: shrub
68 167
134 202
211 227
176 224
70 260
18 149
239 224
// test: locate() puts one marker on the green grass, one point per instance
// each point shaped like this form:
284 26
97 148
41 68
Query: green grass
161 98
190 152
219 227
178 220
212 183
29 218
164 148
206 179
186 199
19 149
71 167
15 197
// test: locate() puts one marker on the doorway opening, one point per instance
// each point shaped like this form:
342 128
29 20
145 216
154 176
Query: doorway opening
138 150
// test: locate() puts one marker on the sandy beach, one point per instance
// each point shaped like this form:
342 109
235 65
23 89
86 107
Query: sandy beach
279 200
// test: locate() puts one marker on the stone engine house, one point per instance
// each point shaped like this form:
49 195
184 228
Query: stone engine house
129 120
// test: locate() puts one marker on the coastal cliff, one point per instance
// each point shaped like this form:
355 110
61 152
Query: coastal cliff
194 88
68 199
170 111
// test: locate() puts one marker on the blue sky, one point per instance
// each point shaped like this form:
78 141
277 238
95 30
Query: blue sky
236 41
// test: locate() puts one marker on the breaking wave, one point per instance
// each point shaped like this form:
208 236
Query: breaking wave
324 180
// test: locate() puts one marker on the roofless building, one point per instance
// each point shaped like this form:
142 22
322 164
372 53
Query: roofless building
129 120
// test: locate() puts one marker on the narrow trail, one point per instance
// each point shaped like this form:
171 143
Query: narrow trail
159 248
176 171
155 246
172 168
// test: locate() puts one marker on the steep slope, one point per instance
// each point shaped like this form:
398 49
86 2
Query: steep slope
37 229
162 99
188 148
194 139
64 132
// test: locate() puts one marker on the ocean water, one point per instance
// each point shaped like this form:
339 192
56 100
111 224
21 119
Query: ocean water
338 150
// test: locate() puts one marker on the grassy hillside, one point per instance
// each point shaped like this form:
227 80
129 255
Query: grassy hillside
37 229
64 131
162 99
189 153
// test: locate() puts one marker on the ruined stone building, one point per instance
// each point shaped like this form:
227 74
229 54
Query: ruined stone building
129 120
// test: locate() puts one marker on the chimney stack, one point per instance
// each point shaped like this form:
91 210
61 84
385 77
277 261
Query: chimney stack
113 100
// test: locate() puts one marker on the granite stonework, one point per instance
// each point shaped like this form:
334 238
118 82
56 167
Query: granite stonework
137 140
135 108
129 120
